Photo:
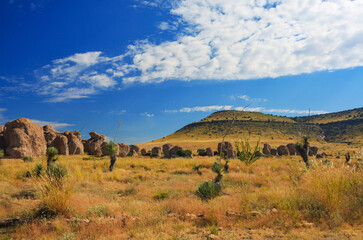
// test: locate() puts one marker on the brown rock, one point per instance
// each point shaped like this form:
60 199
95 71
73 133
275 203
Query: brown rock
209 152
223 147
174 151
282 150
133 148
231 153
314 150
133 153
123 149
75 144
60 142
266 149
24 138
93 146
291 148
166 150
143 152
2 139
273 152
259 154
156 151
49 134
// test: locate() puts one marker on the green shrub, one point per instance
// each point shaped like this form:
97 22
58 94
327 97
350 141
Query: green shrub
27 159
38 170
52 152
111 148
2 153
202 152
56 172
98 211
184 153
208 190
197 168
160 196
246 153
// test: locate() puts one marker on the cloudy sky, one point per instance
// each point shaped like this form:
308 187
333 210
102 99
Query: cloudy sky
159 65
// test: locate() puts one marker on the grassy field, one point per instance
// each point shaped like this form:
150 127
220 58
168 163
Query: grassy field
151 198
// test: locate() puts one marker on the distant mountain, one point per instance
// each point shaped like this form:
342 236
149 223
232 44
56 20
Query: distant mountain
345 126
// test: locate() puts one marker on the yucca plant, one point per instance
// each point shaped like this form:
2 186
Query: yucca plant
247 153
303 149
112 150
197 168
52 152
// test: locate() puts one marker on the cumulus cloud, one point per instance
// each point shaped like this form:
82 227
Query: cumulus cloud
222 40
254 39
74 77
146 114
56 125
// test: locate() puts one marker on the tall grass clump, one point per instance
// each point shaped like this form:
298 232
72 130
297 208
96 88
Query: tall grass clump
55 190
333 195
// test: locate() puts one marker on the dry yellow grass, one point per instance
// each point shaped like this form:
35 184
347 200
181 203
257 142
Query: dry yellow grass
323 202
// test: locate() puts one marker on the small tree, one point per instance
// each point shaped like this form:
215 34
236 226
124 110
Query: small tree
303 149
52 153
246 153
112 149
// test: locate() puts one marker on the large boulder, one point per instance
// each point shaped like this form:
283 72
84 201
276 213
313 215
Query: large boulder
49 134
313 150
133 149
174 151
227 149
273 152
75 144
209 152
24 138
93 145
156 151
143 152
2 139
282 150
166 150
292 149
123 149
266 149
60 142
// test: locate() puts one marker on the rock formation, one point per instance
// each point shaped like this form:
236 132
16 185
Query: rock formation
282 150
143 152
166 150
124 149
209 152
93 145
75 144
292 149
24 138
156 151
266 149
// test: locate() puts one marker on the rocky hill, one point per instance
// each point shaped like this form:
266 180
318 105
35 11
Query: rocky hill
342 127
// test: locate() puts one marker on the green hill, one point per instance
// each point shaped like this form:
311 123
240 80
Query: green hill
343 127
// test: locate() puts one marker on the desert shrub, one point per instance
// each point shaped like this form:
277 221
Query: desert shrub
55 192
208 190
52 152
335 198
197 168
27 159
202 152
2 153
184 153
246 153
98 211
160 196
38 170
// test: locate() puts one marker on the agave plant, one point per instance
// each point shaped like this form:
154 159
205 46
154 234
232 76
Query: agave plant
247 153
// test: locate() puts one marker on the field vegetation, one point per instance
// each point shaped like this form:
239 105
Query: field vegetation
152 198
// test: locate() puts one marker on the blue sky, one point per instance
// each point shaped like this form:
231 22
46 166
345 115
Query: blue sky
159 65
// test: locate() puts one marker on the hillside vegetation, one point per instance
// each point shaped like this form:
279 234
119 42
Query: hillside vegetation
339 127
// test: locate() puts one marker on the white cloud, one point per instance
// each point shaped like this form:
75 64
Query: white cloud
244 97
222 40
118 112
237 39
248 98
200 109
146 114
56 125
75 77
